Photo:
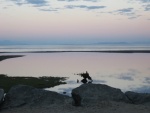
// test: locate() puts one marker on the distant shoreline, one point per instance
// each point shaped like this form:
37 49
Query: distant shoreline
106 51
4 57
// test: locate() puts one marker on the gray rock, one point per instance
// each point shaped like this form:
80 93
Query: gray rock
26 95
1 95
138 98
98 92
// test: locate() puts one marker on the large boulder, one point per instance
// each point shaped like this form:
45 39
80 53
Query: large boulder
26 95
98 92
138 98
1 95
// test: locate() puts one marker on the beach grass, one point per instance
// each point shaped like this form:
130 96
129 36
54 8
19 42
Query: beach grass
6 82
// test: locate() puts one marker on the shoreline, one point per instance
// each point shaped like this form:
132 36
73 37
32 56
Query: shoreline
100 51
4 57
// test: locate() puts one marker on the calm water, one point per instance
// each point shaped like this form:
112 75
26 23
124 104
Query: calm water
121 70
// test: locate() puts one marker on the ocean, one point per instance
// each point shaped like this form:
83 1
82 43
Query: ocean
127 71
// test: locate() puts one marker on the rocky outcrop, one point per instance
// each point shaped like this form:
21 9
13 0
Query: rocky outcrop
21 95
26 95
138 98
1 95
99 92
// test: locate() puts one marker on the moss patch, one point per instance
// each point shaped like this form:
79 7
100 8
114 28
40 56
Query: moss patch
6 82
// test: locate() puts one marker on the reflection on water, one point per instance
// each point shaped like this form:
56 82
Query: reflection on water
121 70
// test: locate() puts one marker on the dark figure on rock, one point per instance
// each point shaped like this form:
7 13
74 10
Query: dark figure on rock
85 77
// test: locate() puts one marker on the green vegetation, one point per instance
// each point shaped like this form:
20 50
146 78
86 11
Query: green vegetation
6 82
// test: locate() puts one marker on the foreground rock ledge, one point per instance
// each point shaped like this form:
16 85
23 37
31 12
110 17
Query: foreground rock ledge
26 95
86 94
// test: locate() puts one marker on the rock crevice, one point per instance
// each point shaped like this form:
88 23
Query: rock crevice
1 96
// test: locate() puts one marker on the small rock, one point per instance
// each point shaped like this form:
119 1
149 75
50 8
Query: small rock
138 98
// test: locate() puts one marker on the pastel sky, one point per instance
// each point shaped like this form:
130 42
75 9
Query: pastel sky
99 20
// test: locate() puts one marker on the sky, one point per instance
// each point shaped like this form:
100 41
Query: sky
75 20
